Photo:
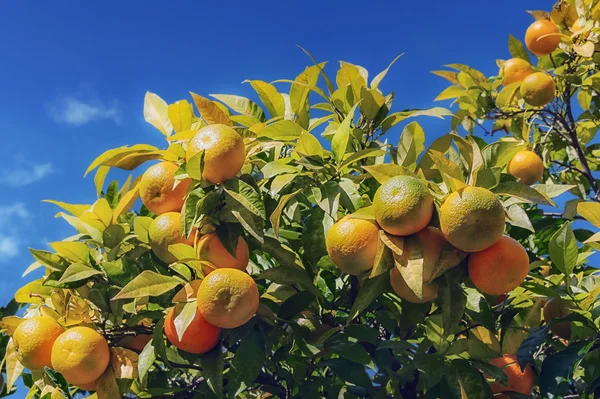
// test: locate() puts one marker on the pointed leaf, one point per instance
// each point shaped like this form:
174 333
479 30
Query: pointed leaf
156 113
147 283
563 249
209 111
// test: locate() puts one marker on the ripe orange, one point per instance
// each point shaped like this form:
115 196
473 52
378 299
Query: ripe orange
521 381
527 166
90 386
227 298
164 231
33 340
472 219
403 205
539 45
515 70
537 89
224 152
81 355
430 290
553 309
158 190
199 337
211 249
500 268
352 244
136 343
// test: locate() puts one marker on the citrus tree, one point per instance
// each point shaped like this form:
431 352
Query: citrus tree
254 259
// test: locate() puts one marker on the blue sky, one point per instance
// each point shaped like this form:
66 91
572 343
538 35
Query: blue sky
74 74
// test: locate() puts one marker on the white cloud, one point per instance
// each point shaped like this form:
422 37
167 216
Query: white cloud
73 111
24 176
9 247
11 216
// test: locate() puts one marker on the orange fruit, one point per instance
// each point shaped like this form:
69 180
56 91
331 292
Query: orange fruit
521 381
81 355
211 249
199 337
430 290
164 231
537 89
527 166
33 340
515 70
224 152
90 386
500 268
557 309
472 219
227 298
352 244
159 191
536 40
136 343
403 205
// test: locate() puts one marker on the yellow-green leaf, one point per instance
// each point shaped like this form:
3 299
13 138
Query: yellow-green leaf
73 209
180 115
590 211
99 216
147 283
78 272
184 315
126 202
141 225
284 130
350 75
242 105
156 113
341 138
99 178
106 385
33 292
113 156
14 368
209 111
371 102
275 217
309 145
9 324
270 97
182 252
384 172
450 92
507 95
377 79
73 250
410 265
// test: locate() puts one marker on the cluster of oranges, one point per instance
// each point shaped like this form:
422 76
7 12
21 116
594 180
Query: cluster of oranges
227 296
537 88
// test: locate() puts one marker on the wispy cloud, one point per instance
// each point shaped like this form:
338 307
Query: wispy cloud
10 216
74 111
24 176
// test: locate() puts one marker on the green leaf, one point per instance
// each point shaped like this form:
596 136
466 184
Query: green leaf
352 372
362 154
384 172
275 217
507 95
285 130
250 356
524 192
371 102
51 260
72 250
327 197
77 272
557 369
412 143
531 344
209 111
410 264
341 138
452 301
242 105
377 79
288 275
590 211
398 117
277 168
156 113
563 249
309 145
147 283
368 292
245 195
146 360
450 92
518 217
499 153
270 97
141 225
212 367
184 315
553 190
471 383
517 49
295 304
